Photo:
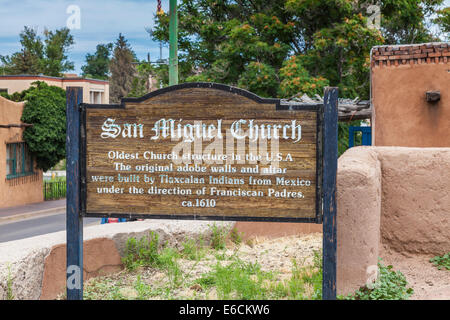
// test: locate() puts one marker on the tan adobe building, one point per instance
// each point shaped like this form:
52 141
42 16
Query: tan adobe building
20 181
411 83
94 91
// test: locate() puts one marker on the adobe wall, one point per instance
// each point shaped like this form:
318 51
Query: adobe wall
415 209
401 76
22 190
37 265
390 199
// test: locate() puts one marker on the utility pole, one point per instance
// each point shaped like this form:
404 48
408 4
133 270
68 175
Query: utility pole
173 42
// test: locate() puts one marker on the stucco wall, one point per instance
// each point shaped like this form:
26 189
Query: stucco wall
401 76
20 83
390 198
22 190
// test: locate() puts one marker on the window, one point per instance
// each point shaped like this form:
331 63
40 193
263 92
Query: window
3 90
96 97
19 161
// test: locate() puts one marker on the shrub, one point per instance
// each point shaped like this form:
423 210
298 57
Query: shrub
45 109
390 285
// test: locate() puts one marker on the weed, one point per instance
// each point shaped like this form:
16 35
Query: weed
167 260
145 291
218 237
192 251
441 262
103 289
229 278
250 242
304 283
141 252
390 285
9 284
236 236
237 280
145 252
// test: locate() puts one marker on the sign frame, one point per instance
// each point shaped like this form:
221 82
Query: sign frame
76 191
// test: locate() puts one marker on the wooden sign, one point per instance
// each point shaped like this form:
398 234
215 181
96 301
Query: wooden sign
202 151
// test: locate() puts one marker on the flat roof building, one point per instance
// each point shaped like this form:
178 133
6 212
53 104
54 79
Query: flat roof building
94 91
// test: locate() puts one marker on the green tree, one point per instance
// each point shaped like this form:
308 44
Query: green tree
45 109
57 44
97 64
287 47
443 21
141 81
47 56
405 21
222 40
29 59
122 70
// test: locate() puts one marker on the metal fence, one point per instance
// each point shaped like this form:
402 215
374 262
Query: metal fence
54 190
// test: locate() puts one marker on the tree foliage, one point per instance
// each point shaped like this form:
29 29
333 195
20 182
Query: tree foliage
443 20
45 109
288 47
141 81
122 70
97 64
47 56
248 43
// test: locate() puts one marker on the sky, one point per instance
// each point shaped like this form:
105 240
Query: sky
100 21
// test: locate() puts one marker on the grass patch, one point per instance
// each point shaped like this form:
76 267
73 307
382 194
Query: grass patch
442 262
193 250
199 270
141 252
237 280
218 237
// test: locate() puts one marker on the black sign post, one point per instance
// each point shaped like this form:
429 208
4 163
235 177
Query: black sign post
74 220
330 156
327 151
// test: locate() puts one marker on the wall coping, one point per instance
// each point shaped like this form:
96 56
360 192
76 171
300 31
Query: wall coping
412 54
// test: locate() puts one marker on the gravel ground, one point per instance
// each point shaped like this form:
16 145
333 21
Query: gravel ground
278 256
273 255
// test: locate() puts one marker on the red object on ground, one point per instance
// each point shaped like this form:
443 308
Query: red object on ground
113 220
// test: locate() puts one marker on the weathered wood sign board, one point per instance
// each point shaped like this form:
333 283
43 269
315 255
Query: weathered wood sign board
202 151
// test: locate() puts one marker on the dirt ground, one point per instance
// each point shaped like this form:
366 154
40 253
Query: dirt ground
273 255
428 282
278 255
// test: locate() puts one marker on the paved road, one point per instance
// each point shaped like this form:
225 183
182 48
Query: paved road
37 226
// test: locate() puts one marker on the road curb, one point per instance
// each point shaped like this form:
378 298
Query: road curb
34 214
